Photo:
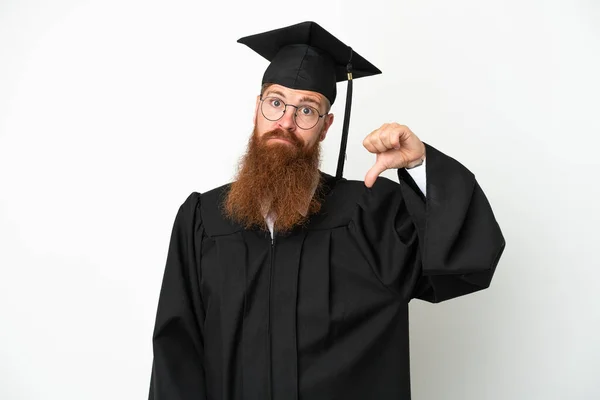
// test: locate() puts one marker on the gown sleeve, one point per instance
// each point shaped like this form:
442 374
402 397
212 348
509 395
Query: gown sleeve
178 345
419 177
459 239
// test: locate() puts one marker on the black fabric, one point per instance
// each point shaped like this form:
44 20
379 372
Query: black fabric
339 173
320 312
305 56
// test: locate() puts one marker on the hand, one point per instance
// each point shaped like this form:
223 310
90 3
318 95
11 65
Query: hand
396 146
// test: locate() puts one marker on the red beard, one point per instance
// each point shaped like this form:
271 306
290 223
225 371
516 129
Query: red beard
280 178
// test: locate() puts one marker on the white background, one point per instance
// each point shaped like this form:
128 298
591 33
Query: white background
112 112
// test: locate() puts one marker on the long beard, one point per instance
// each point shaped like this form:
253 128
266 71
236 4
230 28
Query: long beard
282 179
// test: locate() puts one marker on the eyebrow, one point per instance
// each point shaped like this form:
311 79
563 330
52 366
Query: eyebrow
304 99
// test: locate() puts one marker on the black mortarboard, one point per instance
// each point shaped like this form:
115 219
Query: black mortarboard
307 57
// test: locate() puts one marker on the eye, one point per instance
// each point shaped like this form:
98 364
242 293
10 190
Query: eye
307 111
276 103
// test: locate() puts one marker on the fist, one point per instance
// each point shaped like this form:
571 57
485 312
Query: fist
396 146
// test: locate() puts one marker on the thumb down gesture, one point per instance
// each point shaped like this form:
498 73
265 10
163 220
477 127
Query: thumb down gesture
396 146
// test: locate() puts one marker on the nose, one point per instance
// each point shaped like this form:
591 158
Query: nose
287 121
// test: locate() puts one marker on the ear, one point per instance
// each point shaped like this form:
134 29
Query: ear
328 122
256 110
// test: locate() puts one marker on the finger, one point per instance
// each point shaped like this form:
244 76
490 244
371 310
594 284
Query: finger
404 132
373 144
385 137
378 144
373 173
370 141
369 146
395 140
394 136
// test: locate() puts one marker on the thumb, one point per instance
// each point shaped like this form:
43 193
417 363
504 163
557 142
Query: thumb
373 173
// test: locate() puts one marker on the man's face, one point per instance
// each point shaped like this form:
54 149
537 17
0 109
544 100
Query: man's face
309 137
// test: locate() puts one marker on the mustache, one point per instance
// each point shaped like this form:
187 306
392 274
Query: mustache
283 134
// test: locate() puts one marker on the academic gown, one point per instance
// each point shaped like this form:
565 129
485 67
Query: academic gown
320 312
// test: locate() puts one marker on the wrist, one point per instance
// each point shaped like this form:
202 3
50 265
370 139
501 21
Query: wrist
418 162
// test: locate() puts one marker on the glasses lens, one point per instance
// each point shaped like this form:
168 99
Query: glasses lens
307 117
272 108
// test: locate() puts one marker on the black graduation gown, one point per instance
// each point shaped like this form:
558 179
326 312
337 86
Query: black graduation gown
320 312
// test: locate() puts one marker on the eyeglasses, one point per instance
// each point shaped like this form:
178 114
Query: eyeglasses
305 116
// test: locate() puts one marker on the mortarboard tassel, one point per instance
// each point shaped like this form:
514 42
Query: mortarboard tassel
342 156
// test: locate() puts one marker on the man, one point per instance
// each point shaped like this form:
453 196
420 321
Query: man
293 284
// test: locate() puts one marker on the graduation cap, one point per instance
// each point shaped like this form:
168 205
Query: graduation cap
305 56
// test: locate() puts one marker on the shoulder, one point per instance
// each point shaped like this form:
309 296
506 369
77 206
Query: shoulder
354 191
190 205
207 201
204 210
345 199
384 194
212 200
211 210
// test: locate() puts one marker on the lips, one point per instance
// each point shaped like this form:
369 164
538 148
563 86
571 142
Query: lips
282 139
283 136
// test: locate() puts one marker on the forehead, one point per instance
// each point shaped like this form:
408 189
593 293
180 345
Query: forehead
295 94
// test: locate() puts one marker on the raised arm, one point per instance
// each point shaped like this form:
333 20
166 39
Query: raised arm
460 241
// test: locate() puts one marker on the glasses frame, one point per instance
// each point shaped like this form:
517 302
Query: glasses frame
262 100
